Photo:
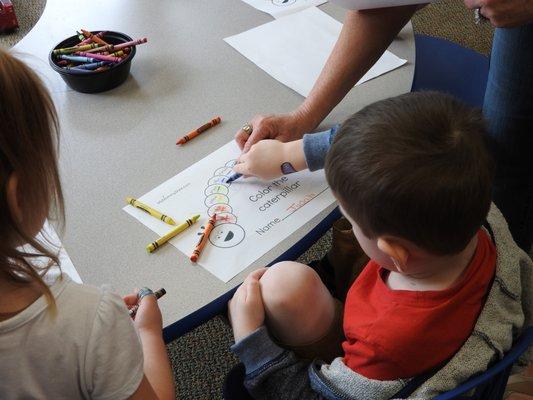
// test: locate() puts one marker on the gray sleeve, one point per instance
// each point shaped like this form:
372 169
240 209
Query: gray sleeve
316 146
271 371
114 358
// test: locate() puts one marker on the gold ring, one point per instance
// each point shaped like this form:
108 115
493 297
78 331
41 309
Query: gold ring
248 128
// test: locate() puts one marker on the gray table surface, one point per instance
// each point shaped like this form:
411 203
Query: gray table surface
121 143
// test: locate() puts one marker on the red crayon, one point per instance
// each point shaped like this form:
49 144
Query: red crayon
196 132
203 239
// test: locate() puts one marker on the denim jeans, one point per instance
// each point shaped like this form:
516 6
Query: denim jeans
508 108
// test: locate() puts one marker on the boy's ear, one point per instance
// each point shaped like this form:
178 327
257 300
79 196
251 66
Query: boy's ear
12 195
398 253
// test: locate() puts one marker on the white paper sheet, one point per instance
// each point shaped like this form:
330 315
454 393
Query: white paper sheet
371 4
295 48
282 8
254 215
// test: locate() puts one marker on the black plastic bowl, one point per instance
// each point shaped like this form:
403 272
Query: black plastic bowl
97 81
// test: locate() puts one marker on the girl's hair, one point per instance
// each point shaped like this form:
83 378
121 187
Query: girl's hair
29 141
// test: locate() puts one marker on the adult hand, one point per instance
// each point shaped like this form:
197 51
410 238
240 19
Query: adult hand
504 13
282 127
148 317
246 311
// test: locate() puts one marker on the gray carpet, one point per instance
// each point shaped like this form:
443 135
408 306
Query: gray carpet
28 13
201 358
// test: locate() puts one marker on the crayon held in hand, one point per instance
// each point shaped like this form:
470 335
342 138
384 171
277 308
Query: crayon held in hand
233 177
204 238
153 212
158 294
165 238
196 132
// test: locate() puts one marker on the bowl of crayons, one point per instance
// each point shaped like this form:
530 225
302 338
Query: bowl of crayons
92 62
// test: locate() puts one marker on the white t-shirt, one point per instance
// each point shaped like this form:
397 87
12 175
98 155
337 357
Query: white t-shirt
90 350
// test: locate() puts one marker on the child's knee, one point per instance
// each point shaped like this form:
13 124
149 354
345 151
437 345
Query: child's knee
289 286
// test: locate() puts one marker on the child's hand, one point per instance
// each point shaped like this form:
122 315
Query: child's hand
245 310
265 158
148 317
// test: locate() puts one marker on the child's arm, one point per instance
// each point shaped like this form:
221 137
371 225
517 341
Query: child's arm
270 370
158 380
266 158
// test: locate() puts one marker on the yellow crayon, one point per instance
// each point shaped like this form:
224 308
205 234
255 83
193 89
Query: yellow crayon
165 238
75 49
154 213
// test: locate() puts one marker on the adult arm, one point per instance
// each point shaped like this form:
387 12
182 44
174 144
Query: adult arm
364 37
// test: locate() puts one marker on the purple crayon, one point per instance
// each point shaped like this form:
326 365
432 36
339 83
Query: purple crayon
100 57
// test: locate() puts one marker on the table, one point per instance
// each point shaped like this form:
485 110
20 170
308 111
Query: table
121 143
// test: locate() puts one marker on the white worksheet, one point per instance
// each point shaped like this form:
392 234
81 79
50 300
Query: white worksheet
294 49
253 216
371 4
282 8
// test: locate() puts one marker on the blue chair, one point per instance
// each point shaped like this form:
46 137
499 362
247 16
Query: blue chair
447 67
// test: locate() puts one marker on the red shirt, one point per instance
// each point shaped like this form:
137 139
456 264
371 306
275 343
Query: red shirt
394 334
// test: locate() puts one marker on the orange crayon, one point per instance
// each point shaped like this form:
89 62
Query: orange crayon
203 239
203 128
94 38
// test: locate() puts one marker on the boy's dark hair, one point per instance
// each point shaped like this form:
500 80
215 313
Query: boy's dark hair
414 166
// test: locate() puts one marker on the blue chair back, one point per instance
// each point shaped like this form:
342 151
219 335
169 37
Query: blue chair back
447 67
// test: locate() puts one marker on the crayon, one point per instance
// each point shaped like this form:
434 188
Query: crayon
115 47
100 69
154 213
165 238
100 57
94 38
78 59
90 40
233 177
91 66
75 49
158 294
203 128
81 37
120 53
79 71
203 239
